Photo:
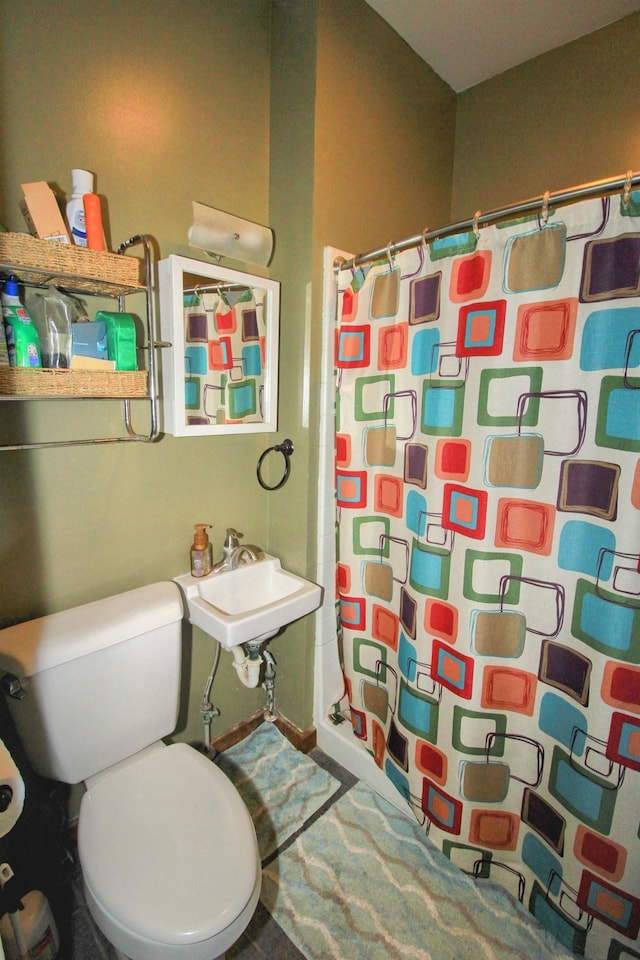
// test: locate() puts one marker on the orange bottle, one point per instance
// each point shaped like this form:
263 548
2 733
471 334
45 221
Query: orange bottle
93 221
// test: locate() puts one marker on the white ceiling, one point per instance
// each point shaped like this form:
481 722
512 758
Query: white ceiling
467 41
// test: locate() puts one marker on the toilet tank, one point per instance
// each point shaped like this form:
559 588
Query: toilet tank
99 682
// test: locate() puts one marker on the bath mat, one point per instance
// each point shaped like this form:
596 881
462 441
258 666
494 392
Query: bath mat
281 787
364 883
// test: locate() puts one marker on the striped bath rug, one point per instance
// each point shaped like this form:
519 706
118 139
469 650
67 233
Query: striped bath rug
281 787
364 883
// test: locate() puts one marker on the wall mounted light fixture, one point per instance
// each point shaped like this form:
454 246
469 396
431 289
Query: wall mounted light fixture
221 234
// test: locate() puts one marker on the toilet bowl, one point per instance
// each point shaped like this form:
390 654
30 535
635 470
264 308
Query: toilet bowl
168 851
184 877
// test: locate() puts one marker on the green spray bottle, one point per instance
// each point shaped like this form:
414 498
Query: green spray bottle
22 335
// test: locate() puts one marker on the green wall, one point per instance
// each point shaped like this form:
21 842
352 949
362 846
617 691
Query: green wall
564 118
342 134
310 115
217 102
385 127
168 103
293 90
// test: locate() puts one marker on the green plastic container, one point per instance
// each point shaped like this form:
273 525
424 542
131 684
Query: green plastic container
121 338
23 341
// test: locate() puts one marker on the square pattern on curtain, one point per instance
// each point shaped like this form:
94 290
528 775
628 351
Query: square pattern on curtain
488 496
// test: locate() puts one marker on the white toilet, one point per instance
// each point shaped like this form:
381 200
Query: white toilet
167 847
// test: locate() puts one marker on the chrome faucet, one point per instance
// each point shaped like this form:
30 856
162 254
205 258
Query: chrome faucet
235 553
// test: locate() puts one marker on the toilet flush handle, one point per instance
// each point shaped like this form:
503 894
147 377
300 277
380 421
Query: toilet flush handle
12 686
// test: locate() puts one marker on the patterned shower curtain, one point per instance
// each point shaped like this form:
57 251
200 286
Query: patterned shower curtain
488 493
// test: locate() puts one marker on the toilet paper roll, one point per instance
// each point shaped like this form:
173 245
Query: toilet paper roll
228 236
11 791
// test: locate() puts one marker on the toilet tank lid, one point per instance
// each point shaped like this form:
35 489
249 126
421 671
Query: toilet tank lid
36 645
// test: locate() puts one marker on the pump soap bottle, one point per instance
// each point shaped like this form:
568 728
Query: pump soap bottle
201 551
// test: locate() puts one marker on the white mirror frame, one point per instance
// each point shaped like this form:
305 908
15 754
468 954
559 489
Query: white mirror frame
171 272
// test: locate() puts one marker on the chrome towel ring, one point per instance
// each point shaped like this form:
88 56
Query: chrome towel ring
286 449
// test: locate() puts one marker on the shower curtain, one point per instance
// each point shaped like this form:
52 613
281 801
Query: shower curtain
488 497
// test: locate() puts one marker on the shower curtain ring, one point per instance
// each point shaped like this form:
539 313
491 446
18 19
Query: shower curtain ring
424 239
389 257
476 228
339 264
545 207
626 193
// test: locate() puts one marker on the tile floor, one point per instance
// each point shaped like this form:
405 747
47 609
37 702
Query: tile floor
262 940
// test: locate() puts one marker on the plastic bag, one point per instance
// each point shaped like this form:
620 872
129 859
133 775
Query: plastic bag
53 313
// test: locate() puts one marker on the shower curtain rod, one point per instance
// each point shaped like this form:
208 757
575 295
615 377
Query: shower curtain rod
623 183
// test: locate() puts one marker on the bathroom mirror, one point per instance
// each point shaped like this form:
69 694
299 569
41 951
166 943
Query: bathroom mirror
220 374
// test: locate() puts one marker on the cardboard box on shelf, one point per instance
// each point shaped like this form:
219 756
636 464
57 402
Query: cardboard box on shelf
42 213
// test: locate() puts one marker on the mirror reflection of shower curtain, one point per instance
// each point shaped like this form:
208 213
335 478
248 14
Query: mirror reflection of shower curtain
225 356
488 493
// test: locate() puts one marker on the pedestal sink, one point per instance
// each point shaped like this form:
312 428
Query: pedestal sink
248 604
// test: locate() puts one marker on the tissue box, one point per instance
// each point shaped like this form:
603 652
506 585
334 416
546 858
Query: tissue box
89 339
121 338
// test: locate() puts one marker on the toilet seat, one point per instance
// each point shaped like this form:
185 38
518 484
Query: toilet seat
169 855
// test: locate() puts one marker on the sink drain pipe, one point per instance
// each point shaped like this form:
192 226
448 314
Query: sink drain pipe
247 662
247 666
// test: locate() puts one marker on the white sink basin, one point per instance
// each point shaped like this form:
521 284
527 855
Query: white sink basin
250 603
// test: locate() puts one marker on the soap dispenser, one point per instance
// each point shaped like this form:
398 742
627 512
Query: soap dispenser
201 551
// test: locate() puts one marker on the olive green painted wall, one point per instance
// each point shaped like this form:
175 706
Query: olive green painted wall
212 101
565 118
293 91
168 103
313 116
371 153
385 127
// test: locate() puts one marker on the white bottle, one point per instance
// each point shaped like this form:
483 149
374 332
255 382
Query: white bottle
82 182
31 930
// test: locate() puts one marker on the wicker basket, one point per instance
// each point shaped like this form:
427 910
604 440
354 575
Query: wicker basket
24 382
68 266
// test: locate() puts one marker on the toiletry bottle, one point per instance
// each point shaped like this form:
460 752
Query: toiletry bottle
28 928
201 551
23 341
4 347
93 221
82 181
